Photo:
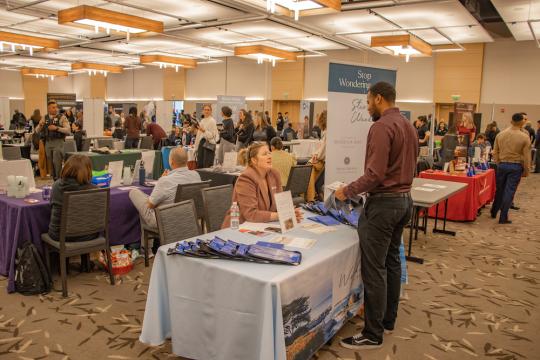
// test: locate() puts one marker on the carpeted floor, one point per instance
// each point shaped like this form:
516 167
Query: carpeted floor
476 296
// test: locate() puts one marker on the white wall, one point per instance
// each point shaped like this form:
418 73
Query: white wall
143 83
62 85
81 86
207 81
11 84
414 79
511 73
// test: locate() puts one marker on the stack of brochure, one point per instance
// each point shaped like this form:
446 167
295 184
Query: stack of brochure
218 248
333 215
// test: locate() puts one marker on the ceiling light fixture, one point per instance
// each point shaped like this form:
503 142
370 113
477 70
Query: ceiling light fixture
94 69
102 19
303 7
168 61
43 73
407 45
13 41
263 53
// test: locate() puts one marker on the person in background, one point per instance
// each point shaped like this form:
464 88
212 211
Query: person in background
175 137
442 129
289 133
70 116
279 122
318 159
267 117
482 143
263 131
512 153
133 129
390 164
144 119
422 130
122 118
118 132
38 142
206 139
285 120
156 132
466 127
188 133
165 190
55 129
491 132
80 118
244 133
537 147
528 128
226 134
76 175
77 135
18 121
316 130
255 188
108 120
282 161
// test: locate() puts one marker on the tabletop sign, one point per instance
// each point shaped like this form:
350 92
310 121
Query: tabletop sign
229 160
285 209
115 169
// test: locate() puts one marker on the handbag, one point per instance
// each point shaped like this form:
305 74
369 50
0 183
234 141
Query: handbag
209 146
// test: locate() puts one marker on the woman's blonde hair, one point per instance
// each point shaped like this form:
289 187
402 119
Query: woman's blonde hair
261 120
322 120
467 120
246 155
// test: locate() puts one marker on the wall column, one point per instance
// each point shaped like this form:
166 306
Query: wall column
35 95
174 84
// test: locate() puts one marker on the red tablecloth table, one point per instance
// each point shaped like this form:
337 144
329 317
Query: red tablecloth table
464 205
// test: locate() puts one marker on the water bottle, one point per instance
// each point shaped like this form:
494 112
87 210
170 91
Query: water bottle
235 216
142 174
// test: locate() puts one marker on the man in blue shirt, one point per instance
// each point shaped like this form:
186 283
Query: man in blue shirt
165 190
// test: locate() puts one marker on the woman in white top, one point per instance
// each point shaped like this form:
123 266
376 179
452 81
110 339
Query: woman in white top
206 139
318 159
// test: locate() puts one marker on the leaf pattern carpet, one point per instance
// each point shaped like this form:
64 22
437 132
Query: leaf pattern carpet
475 297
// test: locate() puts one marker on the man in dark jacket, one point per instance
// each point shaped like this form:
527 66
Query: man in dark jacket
133 128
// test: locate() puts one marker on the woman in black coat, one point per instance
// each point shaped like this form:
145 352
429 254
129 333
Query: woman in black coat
244 134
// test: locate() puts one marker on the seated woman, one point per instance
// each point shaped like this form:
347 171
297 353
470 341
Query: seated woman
318 159
76 175
119 131
255 188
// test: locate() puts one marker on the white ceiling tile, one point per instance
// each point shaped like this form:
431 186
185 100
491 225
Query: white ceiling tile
431 36
266 29
314 43
216 36
366 38
348 21
467 34
436 14
517 10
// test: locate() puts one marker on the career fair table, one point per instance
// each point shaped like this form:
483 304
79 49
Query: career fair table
21 221
21 167
464 206
428 193
129 156
221 309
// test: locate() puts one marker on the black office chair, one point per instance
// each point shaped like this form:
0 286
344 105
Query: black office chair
192 191
298 182
217 201
147 143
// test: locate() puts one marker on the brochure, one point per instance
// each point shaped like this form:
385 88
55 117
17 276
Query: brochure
285 209
115 169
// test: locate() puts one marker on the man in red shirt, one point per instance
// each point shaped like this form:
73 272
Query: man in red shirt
156 132
392 149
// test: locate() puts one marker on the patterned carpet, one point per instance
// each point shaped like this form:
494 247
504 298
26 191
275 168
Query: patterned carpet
476 296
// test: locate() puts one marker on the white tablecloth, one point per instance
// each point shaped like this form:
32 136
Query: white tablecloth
305 147
219 309
16 167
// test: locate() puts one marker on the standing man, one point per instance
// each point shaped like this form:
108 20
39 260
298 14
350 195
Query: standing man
392 148
512 153
55 128
133 127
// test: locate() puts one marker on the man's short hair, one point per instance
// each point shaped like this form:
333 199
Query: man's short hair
50 102
226 111
133 111
179 156
276 143
517 117
386 90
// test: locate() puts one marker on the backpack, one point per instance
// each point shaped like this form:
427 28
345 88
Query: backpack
31 276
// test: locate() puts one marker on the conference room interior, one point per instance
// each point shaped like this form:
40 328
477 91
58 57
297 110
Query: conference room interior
469 285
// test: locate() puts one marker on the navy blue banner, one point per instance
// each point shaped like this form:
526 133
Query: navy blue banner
357 79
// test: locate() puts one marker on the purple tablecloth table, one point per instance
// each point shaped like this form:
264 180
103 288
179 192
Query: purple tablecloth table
21 221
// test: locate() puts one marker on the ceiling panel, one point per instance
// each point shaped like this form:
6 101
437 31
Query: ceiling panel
435 14
515 13
349 21
216 36
366 38
266 29
431 36
140 45
33 62
314 43
467 34
10 17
